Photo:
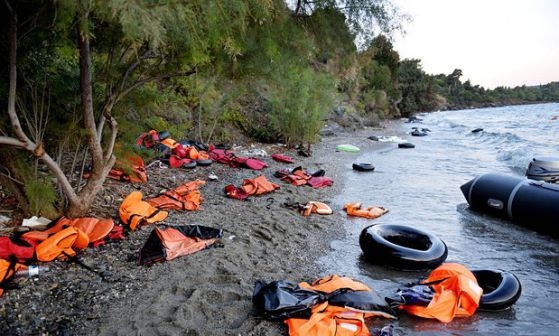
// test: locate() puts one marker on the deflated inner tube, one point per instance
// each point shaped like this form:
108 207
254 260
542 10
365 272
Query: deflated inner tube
402 247
363 167
500 289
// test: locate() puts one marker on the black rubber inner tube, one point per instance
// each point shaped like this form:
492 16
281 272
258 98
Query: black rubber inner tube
402 247
363 167
406 145
500 289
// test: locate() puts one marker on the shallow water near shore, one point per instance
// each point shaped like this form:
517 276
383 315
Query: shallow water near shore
421 188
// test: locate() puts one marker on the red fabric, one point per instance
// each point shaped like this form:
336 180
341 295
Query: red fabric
117 232
282 158
255 164
236 193
20 248
320 182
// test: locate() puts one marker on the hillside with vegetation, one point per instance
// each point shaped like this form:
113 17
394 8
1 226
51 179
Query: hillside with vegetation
82 79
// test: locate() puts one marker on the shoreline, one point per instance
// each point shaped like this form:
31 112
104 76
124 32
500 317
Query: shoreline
210 291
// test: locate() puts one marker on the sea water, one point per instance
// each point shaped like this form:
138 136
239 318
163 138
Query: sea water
421 188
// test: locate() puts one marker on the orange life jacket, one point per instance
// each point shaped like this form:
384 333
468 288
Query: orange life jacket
173 200
62 243
315 207
184 197
457 294
330 320
195 154
258 186
7 272
187 187
355 209
170 143
133 211
95 228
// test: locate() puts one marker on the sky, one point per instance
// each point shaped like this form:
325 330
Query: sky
494 42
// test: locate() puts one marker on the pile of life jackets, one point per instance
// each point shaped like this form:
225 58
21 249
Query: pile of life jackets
330 306
134 211
356 209
61 239
182 155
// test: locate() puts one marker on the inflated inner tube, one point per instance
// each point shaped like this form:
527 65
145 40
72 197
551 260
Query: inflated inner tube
500 289
363 167
406 145
204 162
402 247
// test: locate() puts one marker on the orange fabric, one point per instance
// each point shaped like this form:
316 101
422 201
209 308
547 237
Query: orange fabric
333 282
133 211
7 272
176 244
39 236
189 186
258 186
62 242
355 209
170 143
327 320
130 168
184 197
330 321
457 294
172 200
94 228
316 207
195 154
297 178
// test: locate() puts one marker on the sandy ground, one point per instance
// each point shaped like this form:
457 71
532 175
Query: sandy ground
206 293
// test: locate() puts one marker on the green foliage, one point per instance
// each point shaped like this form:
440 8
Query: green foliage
42 197
299 102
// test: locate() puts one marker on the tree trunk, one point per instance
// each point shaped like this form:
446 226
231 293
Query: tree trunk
100 165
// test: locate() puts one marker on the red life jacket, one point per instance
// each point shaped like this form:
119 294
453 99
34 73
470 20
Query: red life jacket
148 139
19 248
